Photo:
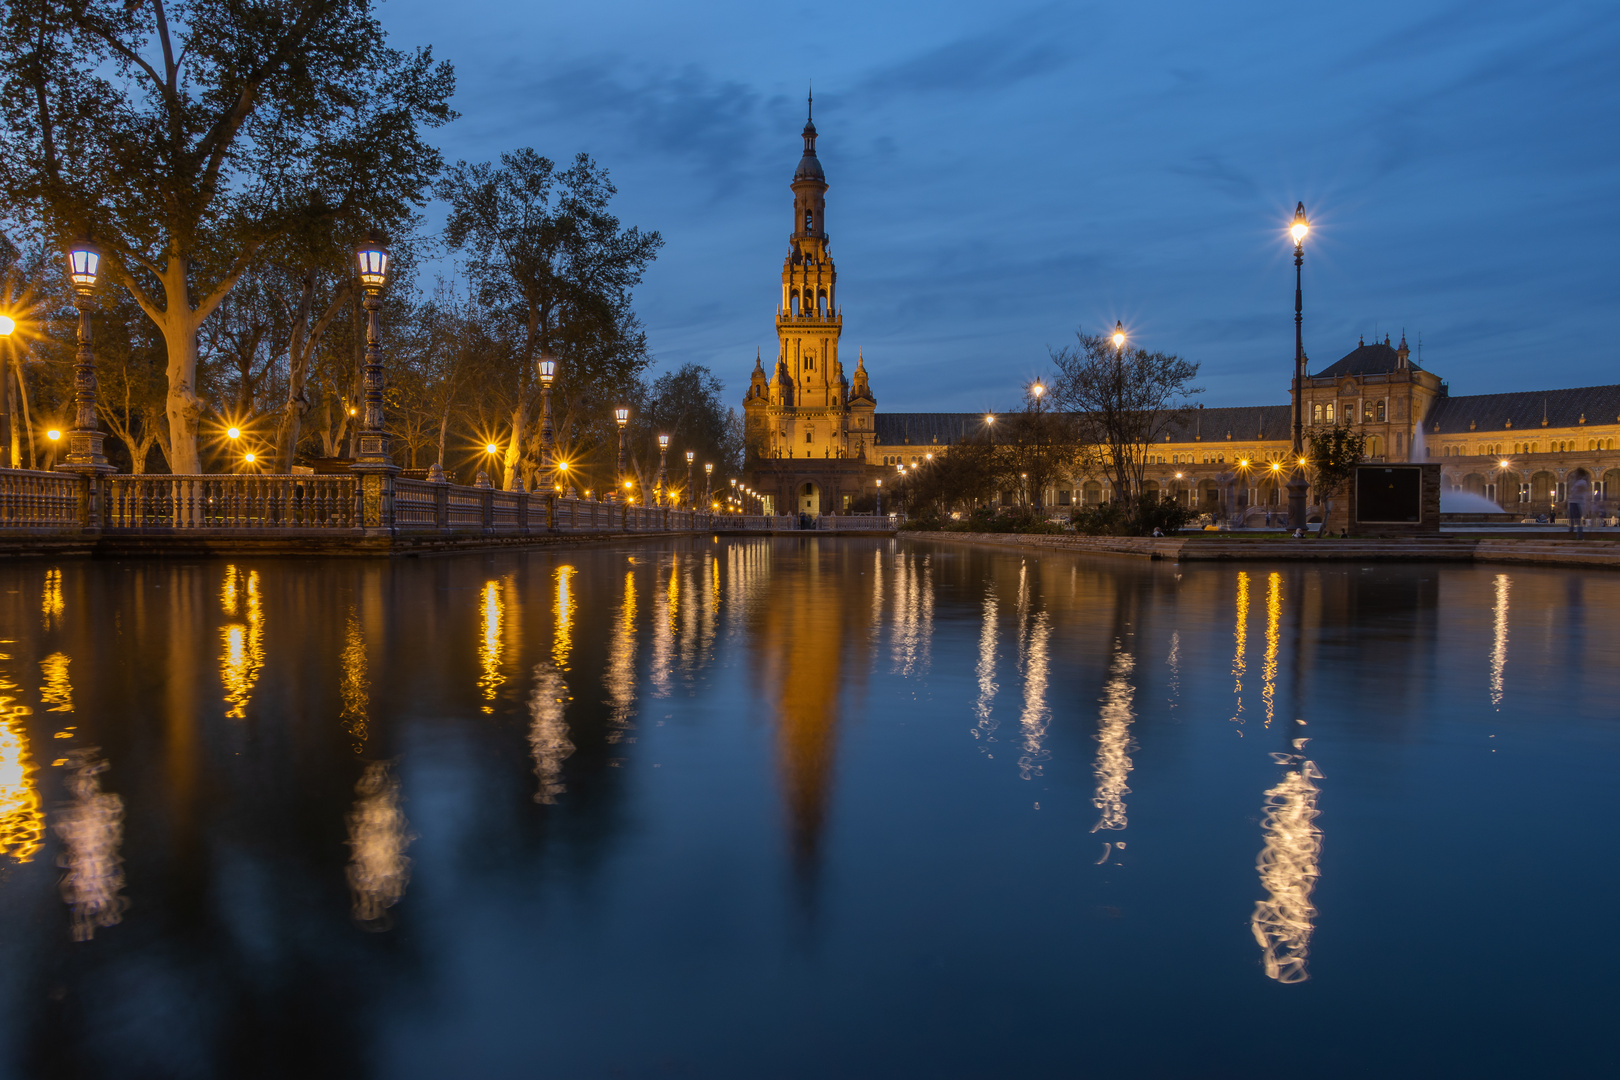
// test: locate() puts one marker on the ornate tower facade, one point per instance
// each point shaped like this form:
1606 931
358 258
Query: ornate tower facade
805 409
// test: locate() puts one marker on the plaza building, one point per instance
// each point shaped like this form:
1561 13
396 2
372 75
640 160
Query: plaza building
816 442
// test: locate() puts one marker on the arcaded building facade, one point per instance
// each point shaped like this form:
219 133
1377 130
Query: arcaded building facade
817 444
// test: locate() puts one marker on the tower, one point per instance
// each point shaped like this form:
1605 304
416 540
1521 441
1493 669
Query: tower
800 410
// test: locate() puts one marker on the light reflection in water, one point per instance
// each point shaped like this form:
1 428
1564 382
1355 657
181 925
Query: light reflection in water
22 822
914 615
51 604
91 827
1268 673
1036 715
1113 767
378 870
1240 635
242 654
548 702
620 677
1499 650
986 727
1284 921
666 610
491 613
56 693
1174 661
355 684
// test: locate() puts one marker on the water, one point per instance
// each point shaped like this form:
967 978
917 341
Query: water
805 808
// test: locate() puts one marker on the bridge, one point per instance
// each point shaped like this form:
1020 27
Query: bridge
157 514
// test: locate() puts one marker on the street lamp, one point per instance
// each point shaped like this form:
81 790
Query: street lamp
880 498
374 456
8 326
1297 483
691 455
1119 334
662 494
548 371
708 479
621 416
84 441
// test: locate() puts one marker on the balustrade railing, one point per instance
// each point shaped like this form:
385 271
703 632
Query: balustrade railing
166 501
238 503
38 500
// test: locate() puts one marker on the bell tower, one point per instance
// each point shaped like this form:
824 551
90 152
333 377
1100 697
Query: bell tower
798 411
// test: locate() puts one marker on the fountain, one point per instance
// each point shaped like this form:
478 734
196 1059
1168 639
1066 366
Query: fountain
1465 506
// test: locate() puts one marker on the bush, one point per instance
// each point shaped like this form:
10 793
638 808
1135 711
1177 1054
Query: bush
1113 519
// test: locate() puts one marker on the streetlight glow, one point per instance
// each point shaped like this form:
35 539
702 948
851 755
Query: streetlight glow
248 457
1300 226
7 325
1119 334
491 448
84 264
372 256
53 434
233 433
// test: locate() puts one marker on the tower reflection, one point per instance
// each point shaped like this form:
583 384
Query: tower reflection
22 822
354 684
1284 921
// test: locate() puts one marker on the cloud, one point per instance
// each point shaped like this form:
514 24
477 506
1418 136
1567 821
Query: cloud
990 60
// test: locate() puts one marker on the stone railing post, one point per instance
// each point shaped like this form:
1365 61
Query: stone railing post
551 513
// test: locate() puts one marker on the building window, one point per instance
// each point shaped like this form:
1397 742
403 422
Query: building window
1316 413
1380 412
1327 411
809 436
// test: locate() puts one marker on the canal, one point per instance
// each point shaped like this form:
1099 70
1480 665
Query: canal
805 807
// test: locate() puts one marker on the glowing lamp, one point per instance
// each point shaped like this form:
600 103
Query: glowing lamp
248 457
709 468
1119 334
7 325
491 448
1244 462
372 255
233 433
1300 226
53 434
663 442
548 368
562 466
84 264
1038 390
622 415
690 454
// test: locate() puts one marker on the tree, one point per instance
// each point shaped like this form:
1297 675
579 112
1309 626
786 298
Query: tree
1334 453
1123 400
542 245
689 406
187 137
1038 444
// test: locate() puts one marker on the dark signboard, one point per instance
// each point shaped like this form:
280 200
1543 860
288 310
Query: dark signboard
1389 495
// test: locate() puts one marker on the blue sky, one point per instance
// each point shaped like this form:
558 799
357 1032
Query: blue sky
1001 174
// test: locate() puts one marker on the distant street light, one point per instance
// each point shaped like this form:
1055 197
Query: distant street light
84 441
708 480
1297 483
691 493
661 495
1119 334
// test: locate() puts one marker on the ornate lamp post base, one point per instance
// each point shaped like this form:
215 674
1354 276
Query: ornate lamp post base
1297 486
85 454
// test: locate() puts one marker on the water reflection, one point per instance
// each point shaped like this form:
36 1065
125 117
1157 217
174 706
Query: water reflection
666 610
378 870
620 677
242 655
51 604
913 614
354 684
549 744
56 689
1036 715
1268 673
22 822
1113 766
986 727
91 828
491 614
1499 648
1283 922
1240 639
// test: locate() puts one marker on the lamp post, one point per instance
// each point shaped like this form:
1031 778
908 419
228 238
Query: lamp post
621 415
84 441
708 481
663 483
690 493
7 326
375 459
547 365
1297 483
880 498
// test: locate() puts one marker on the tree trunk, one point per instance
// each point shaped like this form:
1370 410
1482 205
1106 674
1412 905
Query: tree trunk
514 446
11 399
28 420
444 431
183 406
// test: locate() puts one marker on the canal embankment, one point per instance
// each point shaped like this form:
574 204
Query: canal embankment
1540 550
